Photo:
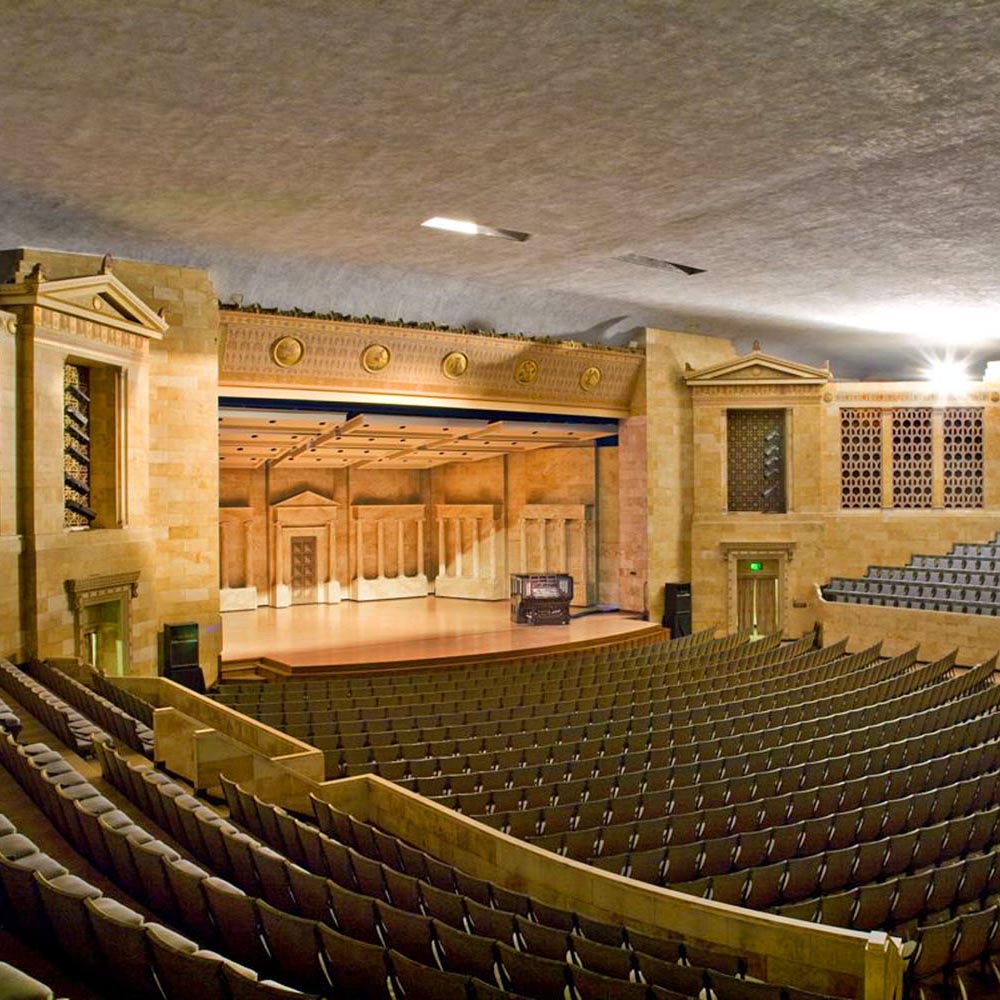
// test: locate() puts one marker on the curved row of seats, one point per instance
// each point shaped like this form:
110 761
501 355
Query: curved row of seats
73 729
123 726
50 908
444 927
830 676
10 721
18 985
726 737
542 724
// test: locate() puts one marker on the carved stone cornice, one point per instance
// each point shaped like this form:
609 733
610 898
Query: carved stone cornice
741 550
94 589
336 356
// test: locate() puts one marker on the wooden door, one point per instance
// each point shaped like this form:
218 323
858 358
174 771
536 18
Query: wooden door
303 569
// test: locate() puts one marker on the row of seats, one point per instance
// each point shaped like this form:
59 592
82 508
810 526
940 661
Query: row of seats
10 721
639 824
658 646
127 701
631 772
509 949
50 908
18 985
964 581
72 728
761 661
624 702
105 713
728 737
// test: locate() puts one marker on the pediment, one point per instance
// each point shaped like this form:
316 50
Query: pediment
306 499
758 368
99 298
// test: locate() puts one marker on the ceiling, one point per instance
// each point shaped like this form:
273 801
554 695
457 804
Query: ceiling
250 437
831 164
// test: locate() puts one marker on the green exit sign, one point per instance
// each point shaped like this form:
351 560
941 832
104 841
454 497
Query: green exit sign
756 567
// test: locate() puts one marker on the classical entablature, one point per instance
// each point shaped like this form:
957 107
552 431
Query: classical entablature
756 379
267 355
97 309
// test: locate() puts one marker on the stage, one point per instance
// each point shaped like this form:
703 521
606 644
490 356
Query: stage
317 638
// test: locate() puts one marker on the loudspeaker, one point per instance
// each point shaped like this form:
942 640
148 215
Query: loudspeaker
676 600
180 645
679 623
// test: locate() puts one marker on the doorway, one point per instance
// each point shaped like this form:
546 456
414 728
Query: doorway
103 639
303 575
758 585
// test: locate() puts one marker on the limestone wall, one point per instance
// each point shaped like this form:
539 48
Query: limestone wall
10 540
164 521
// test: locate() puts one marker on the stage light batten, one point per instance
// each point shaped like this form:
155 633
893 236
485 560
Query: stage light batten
469 228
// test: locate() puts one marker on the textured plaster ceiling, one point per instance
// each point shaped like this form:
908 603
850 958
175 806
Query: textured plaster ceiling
832 164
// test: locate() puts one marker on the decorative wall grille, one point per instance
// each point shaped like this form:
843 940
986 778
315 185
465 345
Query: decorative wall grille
912 465
756 460
77 511
963 456
860 457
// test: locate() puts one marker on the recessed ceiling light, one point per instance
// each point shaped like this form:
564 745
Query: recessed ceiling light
660 265
474 229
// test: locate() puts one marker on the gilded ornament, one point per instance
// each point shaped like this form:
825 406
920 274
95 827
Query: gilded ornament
12 326
590 379
286 352
526 371
454 365
98 303
375 358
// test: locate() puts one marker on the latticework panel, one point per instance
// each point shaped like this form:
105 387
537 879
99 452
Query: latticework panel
912 465
963 456
860 457
756 460
76 447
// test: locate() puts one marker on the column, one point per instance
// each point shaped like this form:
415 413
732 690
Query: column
224 555
543 555
359 554
475 547
937 458
248 553
457 521
491 552
442 557
887 457
523 568
562 563
420 547
400 554
380 549
331 565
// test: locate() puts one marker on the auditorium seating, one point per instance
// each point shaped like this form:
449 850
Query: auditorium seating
115 720
18 985
428 926
964 581
75 730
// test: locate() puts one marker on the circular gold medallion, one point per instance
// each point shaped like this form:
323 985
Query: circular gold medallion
286 352
98 303
526 371
590 379
375 358
454 365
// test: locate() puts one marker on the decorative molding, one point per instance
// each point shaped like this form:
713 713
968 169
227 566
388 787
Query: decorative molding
915 396
760 369
95 589
332 349
375 358
744 550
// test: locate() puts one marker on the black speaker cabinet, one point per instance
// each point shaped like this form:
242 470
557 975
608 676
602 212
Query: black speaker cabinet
180 645
676 600
679 624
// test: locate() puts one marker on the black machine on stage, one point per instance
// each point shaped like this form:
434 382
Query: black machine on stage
540 598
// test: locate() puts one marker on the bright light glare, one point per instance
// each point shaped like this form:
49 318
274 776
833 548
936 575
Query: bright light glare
947 377
452 225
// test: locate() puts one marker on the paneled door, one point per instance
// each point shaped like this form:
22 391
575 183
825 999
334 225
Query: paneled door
303 569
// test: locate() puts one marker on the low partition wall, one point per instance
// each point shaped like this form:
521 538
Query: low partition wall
976 636
825 959
198 739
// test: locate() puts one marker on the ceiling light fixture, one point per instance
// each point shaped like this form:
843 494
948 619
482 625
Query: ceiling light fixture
947 376
660 265
473 229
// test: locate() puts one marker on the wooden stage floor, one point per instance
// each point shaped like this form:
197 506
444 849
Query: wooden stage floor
308 637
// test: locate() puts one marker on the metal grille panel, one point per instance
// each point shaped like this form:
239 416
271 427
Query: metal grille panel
756 460
860 457
912 465
963 456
